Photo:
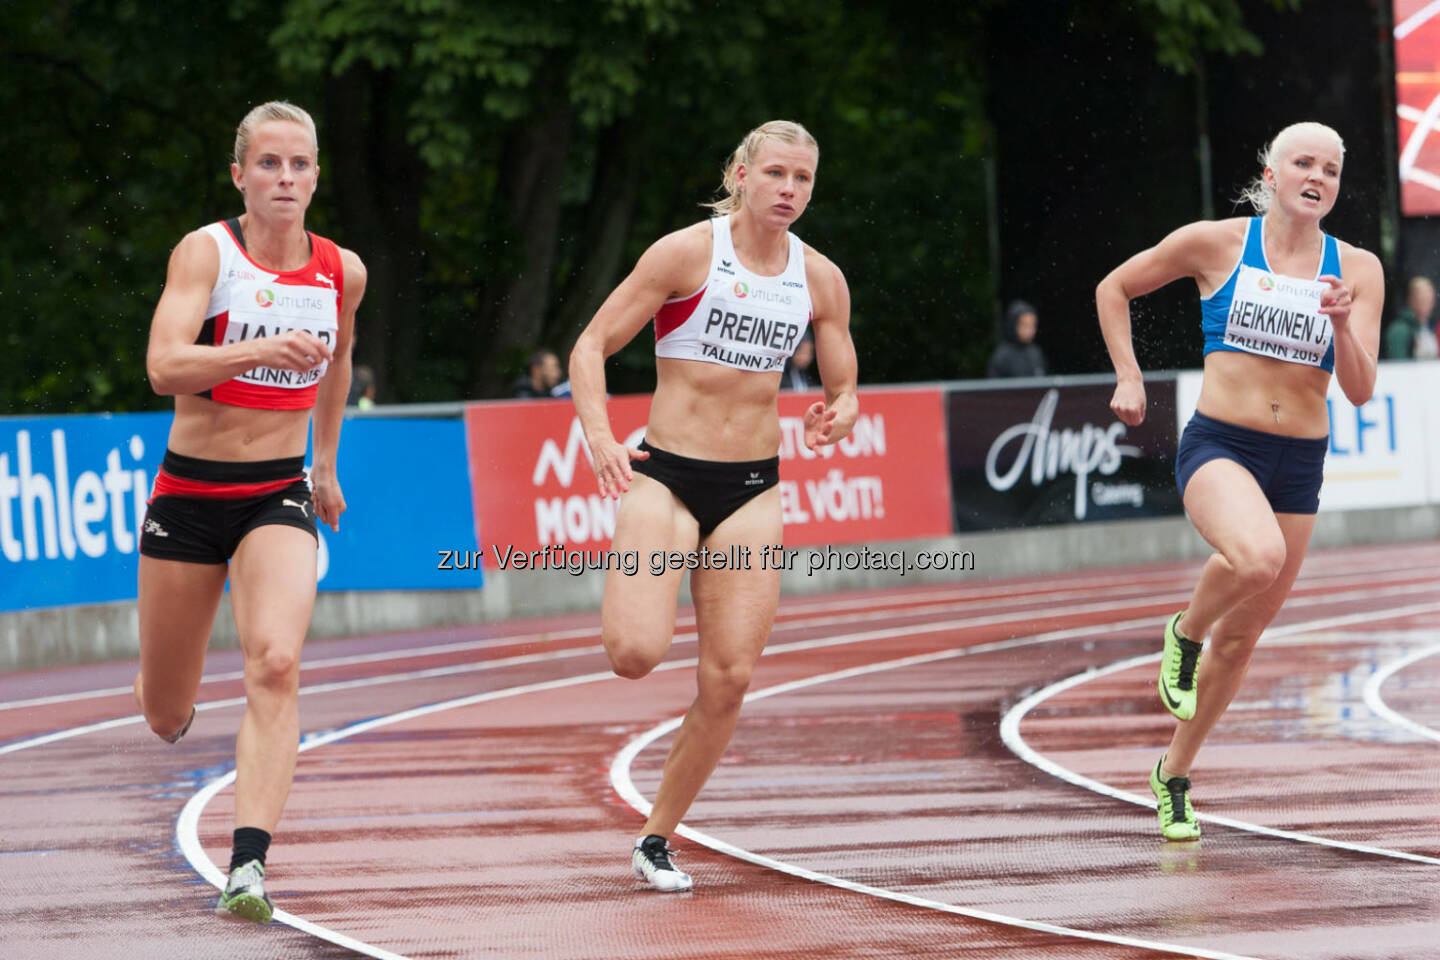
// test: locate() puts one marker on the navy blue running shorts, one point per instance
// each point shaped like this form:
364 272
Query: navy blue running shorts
1288 469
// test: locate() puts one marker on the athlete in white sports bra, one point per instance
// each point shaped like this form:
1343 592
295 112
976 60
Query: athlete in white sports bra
731 298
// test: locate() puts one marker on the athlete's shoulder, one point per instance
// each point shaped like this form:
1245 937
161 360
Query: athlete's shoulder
354 266
677 258
820 268
1214 231
196 256
691 241
1205 241
1357 260
829 294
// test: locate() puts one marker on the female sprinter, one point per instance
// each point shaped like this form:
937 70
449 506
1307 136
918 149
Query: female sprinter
1283 305
731 298
252 331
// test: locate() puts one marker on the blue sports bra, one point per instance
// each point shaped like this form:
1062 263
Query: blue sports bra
1270 314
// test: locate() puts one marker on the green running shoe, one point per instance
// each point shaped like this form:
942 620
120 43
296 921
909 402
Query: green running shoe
1177 671
244 897
1172 803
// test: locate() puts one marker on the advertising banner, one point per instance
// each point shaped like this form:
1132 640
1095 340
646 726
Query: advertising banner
73 492
1030 456
1417 87
408 523
72 499
534 485
1378 454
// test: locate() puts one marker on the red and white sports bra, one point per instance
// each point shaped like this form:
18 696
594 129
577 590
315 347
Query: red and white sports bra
738 319
250 301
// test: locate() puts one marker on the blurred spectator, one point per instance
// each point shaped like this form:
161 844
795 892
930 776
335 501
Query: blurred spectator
362 388
542 376
1411 335
1017 355
799 373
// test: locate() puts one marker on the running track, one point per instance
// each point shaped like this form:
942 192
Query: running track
937 771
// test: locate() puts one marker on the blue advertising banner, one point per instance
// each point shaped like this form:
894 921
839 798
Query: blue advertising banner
407 493
72 499
73 491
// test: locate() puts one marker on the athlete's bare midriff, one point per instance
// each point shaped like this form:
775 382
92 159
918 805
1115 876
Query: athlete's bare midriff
219 431
1265 394
712 412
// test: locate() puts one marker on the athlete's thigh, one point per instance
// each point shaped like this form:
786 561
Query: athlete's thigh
272 589
655 526
735 607
1227 506
177 604
1254 614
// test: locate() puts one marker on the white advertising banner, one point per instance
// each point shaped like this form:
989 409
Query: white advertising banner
1379 454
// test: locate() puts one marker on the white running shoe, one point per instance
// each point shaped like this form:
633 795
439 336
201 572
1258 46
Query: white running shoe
651 860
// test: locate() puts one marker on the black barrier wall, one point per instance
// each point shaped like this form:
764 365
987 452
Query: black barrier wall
1028 456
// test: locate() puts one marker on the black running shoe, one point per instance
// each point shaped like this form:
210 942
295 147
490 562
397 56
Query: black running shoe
651 861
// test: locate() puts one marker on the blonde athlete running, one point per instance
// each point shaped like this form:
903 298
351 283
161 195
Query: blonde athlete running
731 298
1283 305
252 331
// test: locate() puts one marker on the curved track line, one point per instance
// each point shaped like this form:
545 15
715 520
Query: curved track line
1416 20
188 823
1417 138
1017 616
187 826
624 785
1377 703
1069 588
1010 734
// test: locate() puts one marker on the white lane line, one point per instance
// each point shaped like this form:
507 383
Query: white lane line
1417 137
310 743
624 785
1377 703
1036 592
1010 734
1023 616
933 602
187 826
1416 20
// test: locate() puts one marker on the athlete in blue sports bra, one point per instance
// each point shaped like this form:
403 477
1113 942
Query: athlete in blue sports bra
1283 306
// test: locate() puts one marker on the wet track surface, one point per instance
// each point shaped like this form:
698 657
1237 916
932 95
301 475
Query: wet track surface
868 775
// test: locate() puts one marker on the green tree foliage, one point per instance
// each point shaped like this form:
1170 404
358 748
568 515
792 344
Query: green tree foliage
500 166
1185 30
115 142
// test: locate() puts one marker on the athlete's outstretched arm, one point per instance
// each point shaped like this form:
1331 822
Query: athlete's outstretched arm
832 420
1354 307
176 364
1181 254
624 314
331 394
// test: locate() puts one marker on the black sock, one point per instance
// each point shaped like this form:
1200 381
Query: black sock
250 843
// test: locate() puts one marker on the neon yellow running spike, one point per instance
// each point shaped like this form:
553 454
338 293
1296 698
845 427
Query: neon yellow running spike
1177 671
1172 803
244 897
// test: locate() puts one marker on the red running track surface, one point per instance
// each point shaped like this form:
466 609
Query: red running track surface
869 805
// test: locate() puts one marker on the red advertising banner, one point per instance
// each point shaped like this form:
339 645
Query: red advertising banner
1417 99
533 485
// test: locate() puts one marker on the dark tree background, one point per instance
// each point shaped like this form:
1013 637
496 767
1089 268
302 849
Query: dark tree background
500 166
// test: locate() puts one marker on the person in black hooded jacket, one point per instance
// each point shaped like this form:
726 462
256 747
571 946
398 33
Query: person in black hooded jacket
1017 355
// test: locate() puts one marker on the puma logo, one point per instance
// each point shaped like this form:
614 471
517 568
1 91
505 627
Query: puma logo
324 279
304 508
154 529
